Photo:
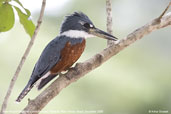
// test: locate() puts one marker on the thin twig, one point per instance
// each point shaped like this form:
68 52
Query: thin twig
37 104
109 23
5 102
164 11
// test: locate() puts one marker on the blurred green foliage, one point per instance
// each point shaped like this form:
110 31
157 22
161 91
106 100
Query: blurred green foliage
135 81
7 17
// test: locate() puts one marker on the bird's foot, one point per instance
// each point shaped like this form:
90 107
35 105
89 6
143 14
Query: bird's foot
68 76
71 68
60 74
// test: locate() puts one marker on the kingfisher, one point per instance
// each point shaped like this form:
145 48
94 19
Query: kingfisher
63 51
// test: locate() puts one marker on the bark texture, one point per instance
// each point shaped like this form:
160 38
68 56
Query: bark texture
109 23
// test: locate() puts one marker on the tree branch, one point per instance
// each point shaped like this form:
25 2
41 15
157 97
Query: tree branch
13 80
36 105
109 23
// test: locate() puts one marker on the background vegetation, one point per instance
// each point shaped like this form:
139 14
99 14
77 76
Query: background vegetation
135 81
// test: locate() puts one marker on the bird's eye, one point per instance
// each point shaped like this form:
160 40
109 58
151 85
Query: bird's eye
87 25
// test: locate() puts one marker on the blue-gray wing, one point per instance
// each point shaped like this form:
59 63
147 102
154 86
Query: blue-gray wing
49 58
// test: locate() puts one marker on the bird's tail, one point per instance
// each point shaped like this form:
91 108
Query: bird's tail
24 92
30 85
46 80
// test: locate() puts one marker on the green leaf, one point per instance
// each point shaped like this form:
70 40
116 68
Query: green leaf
27 11
26 22
6 17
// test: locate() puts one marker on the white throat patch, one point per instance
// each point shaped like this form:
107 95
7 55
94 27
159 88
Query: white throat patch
76 34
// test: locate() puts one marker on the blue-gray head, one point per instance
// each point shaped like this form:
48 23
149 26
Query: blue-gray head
79 25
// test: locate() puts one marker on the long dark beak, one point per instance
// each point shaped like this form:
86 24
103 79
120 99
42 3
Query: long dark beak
102 34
